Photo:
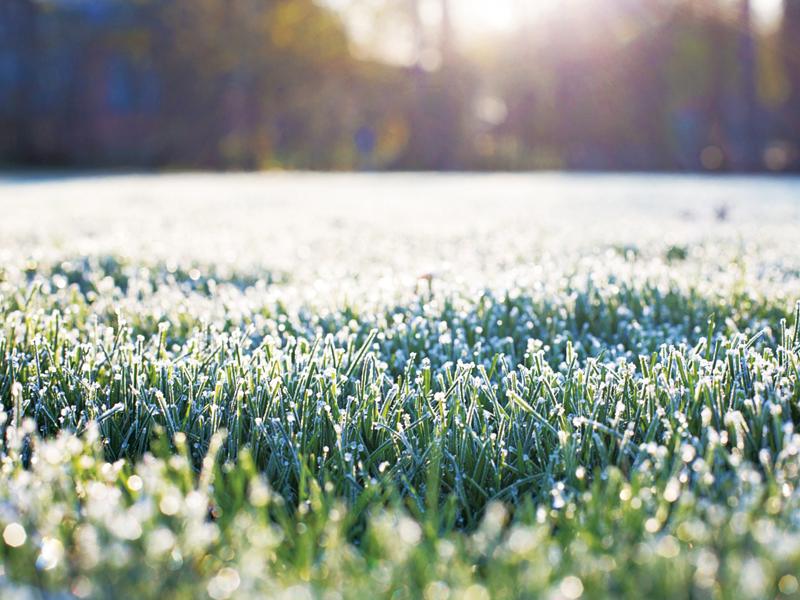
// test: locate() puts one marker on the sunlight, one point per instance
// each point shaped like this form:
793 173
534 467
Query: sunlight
768 12
482 15
383 29
504 16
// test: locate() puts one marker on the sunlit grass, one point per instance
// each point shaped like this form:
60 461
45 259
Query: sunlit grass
545 419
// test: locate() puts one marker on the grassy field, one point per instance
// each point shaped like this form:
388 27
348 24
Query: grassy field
397 387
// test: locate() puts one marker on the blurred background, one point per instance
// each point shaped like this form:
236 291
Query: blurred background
672 85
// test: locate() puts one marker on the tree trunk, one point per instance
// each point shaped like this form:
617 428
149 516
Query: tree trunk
750 146
790 43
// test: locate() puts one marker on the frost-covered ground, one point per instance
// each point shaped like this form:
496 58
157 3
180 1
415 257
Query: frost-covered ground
332 237
366 385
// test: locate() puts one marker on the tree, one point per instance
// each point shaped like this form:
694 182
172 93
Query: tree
750 151
790 51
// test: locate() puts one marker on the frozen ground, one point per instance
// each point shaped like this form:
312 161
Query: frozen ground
400 386
274 220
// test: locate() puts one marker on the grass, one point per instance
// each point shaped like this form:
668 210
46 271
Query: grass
307 412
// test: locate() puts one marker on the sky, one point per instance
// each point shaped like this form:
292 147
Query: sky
470 18
502 15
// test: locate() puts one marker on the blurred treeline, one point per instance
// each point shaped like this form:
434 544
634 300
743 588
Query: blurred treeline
627 84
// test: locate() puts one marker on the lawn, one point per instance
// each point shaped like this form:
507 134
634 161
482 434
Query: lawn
301 386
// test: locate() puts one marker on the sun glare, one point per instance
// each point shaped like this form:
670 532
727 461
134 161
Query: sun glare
486 15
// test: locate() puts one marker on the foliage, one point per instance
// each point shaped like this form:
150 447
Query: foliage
255 84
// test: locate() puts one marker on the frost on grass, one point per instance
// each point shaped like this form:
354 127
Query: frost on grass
258 399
